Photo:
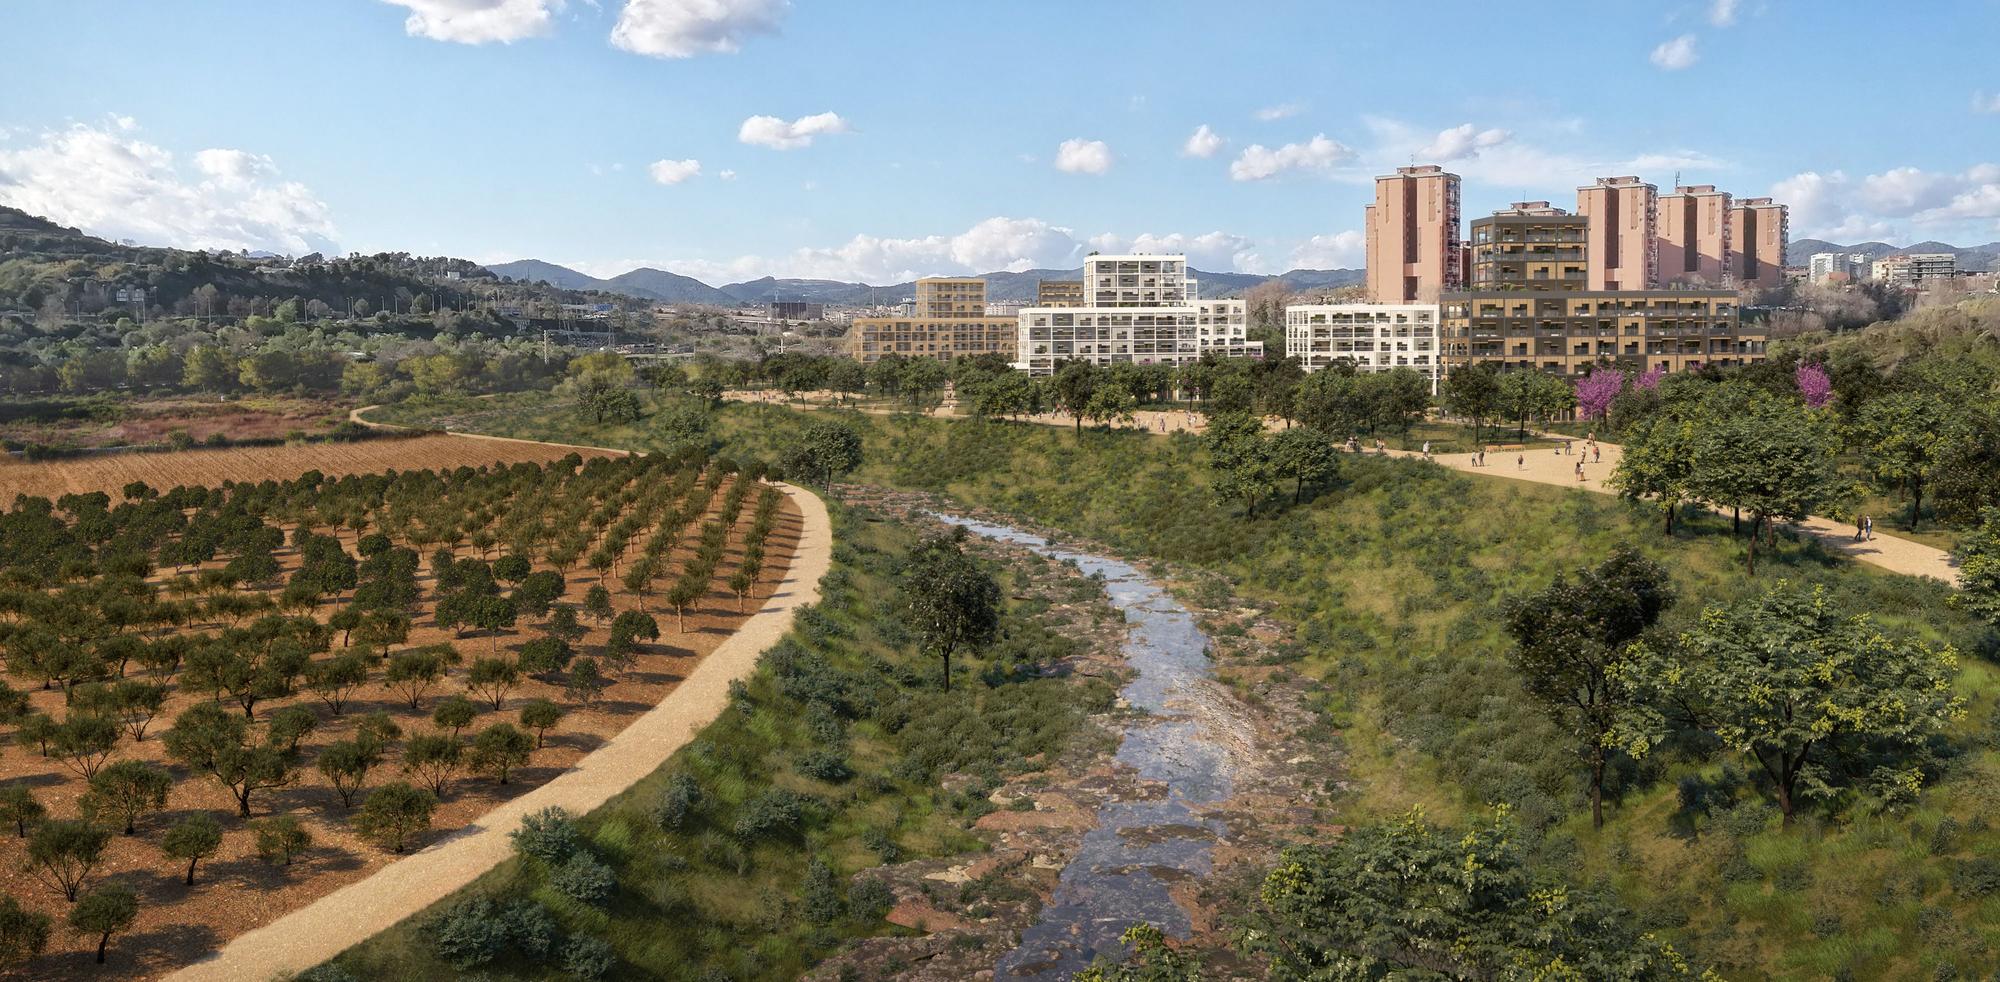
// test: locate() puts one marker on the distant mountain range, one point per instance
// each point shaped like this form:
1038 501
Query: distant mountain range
1982 257
664 287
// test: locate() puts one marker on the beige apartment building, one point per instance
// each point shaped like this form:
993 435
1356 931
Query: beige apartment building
1414 247
1529 246
1058 293
949 319
1695 236
1760 231
1570 333
1622 234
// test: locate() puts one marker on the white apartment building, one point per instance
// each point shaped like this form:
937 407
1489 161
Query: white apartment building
1138 309
1376 337
1916 269
1847 267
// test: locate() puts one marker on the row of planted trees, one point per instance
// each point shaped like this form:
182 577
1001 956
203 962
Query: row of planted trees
238 630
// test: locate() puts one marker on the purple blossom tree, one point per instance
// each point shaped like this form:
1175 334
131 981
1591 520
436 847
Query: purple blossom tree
1815 386
1594 392
1648 380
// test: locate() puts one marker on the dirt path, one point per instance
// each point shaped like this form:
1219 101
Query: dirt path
1546 466
358 911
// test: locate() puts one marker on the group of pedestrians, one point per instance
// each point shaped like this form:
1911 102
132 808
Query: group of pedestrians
1864 530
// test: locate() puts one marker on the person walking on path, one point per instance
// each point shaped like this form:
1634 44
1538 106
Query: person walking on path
1868 526
1579 471
1381 448
1427 450
1521 462
1596 454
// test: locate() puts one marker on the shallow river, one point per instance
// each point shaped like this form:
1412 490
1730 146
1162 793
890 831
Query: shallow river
1121 874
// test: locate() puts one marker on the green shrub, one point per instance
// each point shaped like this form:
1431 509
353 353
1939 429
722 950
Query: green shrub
776 813
584 879
679 801
549 835
825 765
588 958
870 898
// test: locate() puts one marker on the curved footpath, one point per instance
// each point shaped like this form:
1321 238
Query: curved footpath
1543 465
346 917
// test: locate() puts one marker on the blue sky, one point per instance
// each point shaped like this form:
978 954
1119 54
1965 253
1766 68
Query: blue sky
871 139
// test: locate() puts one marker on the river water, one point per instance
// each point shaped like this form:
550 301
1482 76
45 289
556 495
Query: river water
1122 873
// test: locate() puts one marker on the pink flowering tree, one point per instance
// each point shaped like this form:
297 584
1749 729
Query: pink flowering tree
1815 386
1648 381
1594 393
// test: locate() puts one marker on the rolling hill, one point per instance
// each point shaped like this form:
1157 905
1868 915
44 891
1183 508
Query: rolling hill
1001 286
1986 257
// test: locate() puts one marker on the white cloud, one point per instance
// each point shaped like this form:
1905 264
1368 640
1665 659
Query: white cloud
685 28
727 175
478 21
1203 143
1341 250
1900 204
1258 162
1676 54
1513 163
1461 142
675 171
1080 156
1722 13
108 181
1285 110
1983 103
770 131
1225 251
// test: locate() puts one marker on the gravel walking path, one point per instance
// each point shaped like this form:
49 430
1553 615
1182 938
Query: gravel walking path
1546 466
360 910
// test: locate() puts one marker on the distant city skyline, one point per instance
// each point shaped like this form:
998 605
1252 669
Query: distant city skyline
732 139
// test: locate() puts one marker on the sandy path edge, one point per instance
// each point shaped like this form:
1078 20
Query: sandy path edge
346 917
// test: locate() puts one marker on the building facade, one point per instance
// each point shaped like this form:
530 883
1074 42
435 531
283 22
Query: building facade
1058 293
1373 337
1570 333
1138 309
1839 267
797 310
948 319
1916 269
1695 240
1529 246
1414 247
1760 232
1623 231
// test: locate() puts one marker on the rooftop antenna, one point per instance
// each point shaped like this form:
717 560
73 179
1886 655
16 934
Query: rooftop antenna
1677 179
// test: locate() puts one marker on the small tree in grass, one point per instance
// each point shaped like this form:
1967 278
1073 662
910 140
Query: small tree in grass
493 678
193 839
498 749
433 758
952 602
19 808
1979 569
104 912
23 932
126 790
456 712
541 715
395 814
280 839
63 852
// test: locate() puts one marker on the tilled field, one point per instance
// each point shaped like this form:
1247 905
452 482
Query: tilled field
110 472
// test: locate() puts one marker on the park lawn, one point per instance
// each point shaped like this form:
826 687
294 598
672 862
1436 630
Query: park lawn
702 901
1391 581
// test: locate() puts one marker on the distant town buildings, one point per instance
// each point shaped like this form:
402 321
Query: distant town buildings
1412 230
1373 337
947 319
796 310
1918 269
1839 267
1137 309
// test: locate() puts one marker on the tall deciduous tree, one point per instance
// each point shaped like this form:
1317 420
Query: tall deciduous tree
1765 455
1905 436
1570 641
1239 457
